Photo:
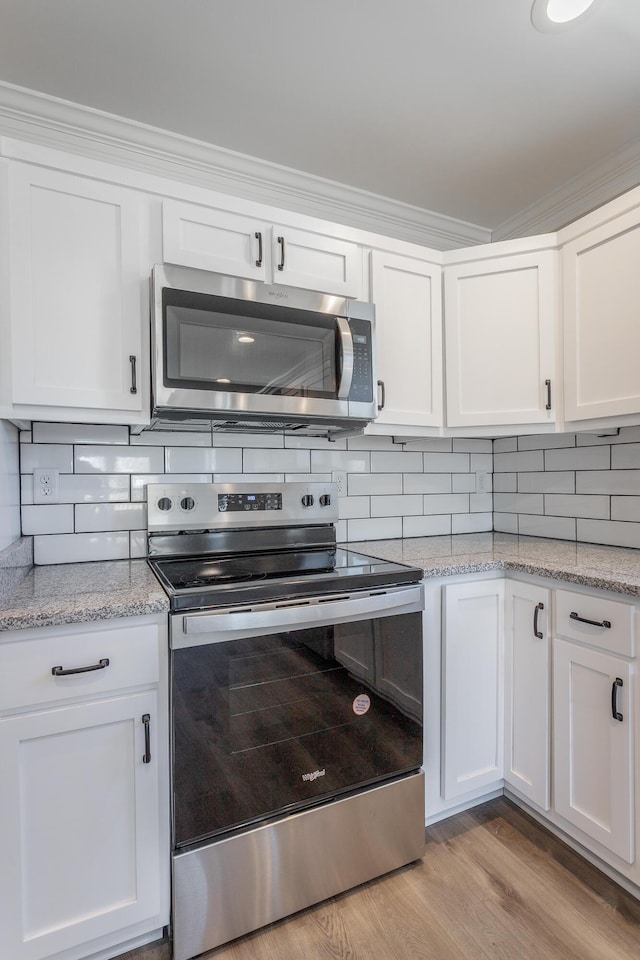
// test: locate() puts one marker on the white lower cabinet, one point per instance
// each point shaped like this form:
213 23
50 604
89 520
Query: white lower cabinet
527 692
83 795
593 745
472 671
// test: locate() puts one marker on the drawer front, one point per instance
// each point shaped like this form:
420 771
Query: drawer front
26 677
612 627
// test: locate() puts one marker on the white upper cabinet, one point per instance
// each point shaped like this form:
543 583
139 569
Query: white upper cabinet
501 324
250 247
77 301
407 295
601 280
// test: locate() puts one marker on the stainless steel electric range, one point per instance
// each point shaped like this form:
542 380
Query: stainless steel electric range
296 705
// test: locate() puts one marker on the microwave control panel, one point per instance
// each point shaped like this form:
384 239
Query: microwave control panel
362 383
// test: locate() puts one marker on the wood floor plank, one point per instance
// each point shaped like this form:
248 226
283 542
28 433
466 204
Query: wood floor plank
493 885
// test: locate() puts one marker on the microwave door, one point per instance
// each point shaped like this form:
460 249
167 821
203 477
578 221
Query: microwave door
345 348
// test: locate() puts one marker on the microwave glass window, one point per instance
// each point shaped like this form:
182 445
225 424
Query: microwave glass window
221 350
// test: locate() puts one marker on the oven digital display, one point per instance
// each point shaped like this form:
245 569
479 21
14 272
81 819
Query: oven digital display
232 502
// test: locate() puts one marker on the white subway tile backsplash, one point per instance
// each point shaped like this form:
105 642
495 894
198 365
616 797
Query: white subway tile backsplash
505 444
558 528
53 456
481 462
396 506
276 461
557 481
400 462
171 438
608 481
625 457
434 526
115 459
625 508
462 445
463 483
578 505
137 544
507 482
47 518
446 462
578 458
471 522
546 441
515 462
78 547
445 503
351 461
505 522
251 477
78 433
518 502
110 516
202 460
380 528
481 502
430 445
375 483
616 533
353 508
428 483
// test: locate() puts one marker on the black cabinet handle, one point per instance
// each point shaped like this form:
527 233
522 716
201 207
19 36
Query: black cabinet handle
281 242
146 719
382 395
594 623
614 699
547 384
536 632
59 672
134 384
258 237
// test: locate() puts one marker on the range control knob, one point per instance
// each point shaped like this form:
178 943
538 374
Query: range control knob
325 500
307 500
165 503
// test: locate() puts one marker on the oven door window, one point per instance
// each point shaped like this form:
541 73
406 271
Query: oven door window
220 344
278 722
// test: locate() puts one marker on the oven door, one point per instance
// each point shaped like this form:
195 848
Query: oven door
276 709
234 346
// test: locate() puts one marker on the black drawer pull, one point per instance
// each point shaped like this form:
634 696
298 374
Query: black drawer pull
614 699
258 237
594 623
146 719
281 242
59 672
134 381
547 384
536 632
382 395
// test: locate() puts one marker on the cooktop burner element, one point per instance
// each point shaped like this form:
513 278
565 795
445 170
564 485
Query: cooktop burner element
220 557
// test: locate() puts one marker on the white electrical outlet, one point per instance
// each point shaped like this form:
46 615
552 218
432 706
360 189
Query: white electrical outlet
339 477
482 482
45 485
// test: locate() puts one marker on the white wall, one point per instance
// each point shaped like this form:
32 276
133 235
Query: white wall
9 485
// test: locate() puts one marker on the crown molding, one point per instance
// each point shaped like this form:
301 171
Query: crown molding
594 187
49 121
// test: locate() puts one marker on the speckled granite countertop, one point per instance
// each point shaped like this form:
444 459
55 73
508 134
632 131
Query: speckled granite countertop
589 564
81 592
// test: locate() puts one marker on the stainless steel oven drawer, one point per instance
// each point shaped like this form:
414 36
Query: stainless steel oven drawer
236 885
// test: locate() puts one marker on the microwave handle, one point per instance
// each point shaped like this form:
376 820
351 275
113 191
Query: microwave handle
345 346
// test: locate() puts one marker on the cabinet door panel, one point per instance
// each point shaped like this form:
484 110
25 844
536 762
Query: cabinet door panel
76 301
593 760
209 239
472 686
527 693
316 262
500 322
79 823
602 334
408 301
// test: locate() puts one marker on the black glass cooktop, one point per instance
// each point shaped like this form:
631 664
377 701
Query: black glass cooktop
194 583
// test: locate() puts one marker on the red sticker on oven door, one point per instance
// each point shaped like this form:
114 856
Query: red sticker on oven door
361 704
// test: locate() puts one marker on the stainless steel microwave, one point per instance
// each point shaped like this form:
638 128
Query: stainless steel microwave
248 355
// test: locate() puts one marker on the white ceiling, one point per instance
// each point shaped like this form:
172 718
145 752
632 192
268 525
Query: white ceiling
455 106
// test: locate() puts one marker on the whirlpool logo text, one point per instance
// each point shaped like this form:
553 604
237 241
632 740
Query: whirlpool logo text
314 775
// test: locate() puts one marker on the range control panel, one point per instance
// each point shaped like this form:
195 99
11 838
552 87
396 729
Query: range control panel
210 506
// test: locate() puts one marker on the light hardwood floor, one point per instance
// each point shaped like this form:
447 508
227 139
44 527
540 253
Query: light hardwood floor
493 884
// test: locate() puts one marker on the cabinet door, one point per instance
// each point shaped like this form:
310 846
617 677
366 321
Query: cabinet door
593 751
601 284
79 825
472 687
77 282
408 299
316 262
210 239
527 692
500 322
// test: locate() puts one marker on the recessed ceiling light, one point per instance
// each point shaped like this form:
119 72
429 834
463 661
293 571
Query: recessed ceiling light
222 380
243 338
552 15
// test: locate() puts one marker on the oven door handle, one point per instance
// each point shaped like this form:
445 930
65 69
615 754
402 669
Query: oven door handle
297 614
345 345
